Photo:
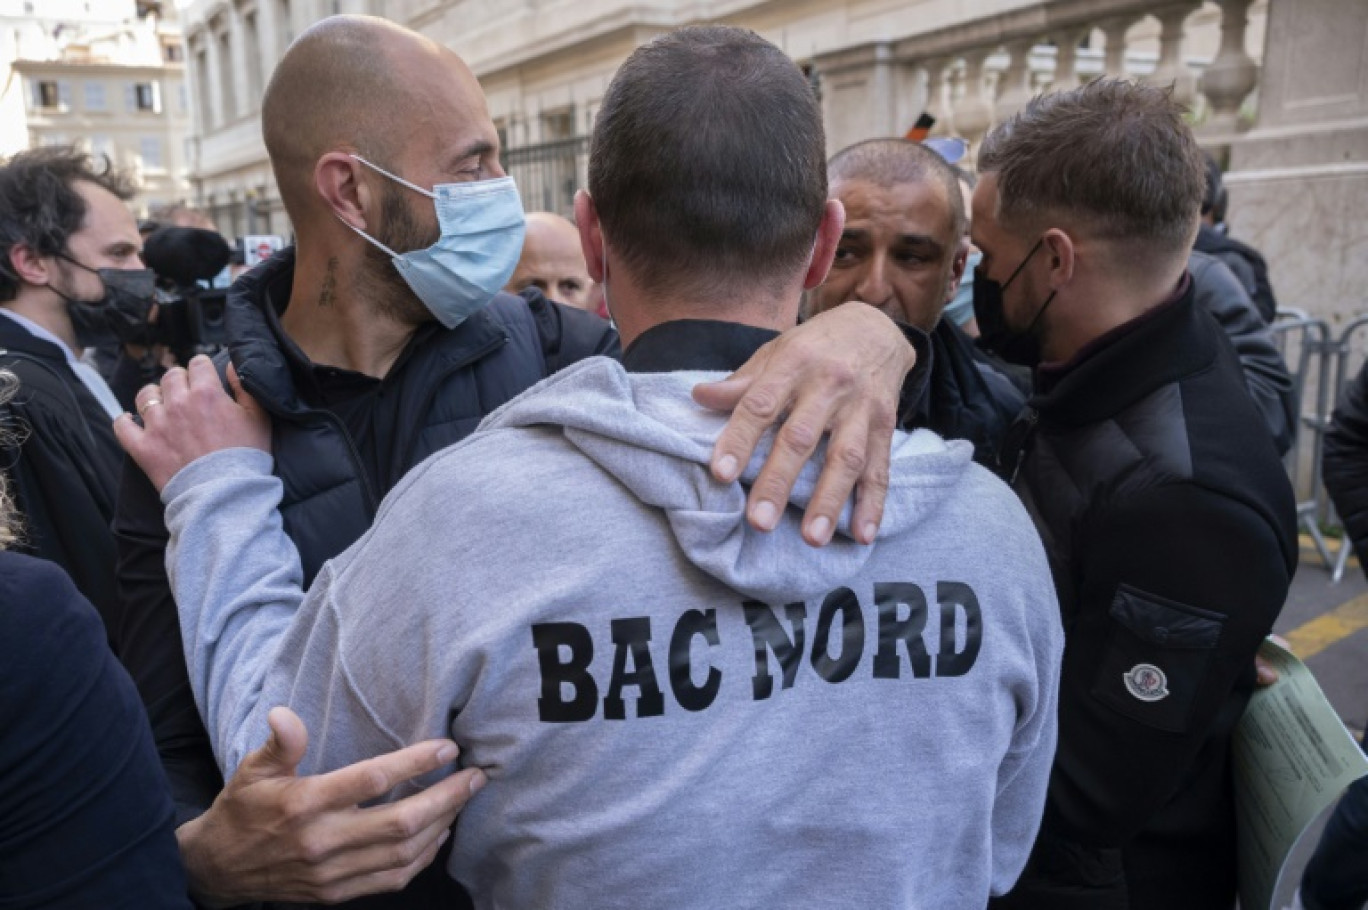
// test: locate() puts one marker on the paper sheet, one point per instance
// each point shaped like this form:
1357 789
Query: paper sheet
1292 757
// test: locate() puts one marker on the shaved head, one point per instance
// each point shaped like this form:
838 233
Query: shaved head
891 163
553 262
361 84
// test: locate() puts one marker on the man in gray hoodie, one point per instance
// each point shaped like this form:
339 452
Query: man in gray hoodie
676 710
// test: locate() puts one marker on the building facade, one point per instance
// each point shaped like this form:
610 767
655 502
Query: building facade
544 65
107 77
876 65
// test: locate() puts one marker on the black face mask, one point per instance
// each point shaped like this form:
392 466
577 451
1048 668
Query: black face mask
1021 348
121 315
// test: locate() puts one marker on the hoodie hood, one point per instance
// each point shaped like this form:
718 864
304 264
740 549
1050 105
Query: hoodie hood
645 430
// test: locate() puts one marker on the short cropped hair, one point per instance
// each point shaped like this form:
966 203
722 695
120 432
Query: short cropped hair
892 162
707 163
39 205
1114 155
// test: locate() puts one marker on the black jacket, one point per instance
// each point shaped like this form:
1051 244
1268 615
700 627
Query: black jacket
1245 262
65 470
1171 532
1345 463
85 814
964 397
444 383
1219 292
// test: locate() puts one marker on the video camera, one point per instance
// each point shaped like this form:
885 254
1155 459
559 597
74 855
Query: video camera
190 315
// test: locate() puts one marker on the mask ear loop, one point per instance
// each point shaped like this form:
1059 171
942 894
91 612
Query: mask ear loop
396 178
603 285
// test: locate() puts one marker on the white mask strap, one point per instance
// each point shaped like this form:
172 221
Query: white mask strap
392 253
396 178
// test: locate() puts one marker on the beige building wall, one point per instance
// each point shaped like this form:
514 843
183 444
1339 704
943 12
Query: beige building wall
1299 179
99 76
545 64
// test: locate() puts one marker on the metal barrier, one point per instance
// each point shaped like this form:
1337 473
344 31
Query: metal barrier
1310 355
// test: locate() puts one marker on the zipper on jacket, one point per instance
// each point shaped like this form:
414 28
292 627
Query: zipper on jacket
372 502
1014 446
475 356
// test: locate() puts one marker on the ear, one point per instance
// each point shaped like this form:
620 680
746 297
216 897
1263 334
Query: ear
957 267
28 265
1059 250
591 235
828 238
337 178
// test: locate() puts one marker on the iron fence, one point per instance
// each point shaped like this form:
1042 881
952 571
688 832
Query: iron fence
549 174
1322 365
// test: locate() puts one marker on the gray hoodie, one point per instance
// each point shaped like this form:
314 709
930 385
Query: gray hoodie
673 709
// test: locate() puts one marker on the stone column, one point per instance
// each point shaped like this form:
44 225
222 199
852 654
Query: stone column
1066 58
973 113
241 81
1014 85
219 114
1172 69
936 104
859 94
1229 78
1115 30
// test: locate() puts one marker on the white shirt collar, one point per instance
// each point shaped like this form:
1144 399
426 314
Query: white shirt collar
88 375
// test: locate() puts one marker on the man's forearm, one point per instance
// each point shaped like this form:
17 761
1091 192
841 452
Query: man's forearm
237 581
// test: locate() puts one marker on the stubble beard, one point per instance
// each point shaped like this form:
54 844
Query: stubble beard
380 283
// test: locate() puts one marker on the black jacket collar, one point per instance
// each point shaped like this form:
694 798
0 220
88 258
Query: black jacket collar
695 344
708 344
263 355
1156 348
15 337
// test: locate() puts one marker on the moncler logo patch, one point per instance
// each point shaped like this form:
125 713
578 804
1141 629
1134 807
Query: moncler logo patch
1146 682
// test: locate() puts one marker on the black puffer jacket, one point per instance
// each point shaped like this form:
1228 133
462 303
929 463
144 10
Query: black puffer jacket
1218 291
61 461
1345 463
964 397
1245 263
443 385
1170 528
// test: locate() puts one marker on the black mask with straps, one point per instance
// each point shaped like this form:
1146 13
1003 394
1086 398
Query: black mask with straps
995 336
121 314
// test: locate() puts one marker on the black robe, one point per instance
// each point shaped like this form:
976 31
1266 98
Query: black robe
61 464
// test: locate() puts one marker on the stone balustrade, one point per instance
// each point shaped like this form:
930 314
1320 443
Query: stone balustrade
975 73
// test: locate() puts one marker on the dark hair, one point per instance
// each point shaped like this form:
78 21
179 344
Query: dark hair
892 162
1113 155
707 163
40 206
1214 199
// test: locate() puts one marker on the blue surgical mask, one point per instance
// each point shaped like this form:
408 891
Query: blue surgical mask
961 308
482 238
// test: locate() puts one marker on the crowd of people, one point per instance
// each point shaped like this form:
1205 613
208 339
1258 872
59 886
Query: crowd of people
781 531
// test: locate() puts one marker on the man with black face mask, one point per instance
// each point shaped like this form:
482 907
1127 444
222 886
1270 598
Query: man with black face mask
1166 514
68 247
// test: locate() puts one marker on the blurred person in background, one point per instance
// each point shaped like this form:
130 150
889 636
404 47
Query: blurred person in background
553 263
1213 238
1336 878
